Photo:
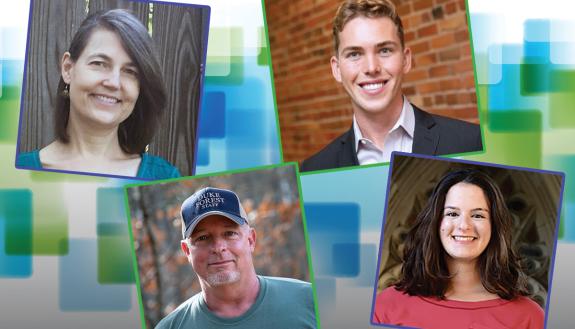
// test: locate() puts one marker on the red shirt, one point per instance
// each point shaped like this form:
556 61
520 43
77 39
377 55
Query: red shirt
397 308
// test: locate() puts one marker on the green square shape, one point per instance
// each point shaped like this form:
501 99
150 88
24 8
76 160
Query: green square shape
226 41
263 57
515 120
534 78
50 222
562 98
561 113
115 259
225 51
16 211
482 98
9 110
11 92
522 149
263 51
236 75
561 80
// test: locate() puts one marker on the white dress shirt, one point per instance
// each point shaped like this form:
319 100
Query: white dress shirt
399 138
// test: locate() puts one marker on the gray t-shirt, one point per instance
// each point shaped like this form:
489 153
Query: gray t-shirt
281 303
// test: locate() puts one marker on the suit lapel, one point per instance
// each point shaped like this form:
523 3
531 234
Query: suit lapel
425 137
346 155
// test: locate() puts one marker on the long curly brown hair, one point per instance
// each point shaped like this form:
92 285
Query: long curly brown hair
425 272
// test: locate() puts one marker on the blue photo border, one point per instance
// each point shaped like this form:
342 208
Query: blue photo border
476 163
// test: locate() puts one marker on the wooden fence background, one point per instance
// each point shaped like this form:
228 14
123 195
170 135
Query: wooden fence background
180 36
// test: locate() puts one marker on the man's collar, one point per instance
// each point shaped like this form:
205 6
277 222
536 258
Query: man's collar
406 120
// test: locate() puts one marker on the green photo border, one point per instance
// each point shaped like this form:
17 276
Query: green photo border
304 224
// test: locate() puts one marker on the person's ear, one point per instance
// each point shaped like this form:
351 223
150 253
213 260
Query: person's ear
185 245
406 60
334 61
66 67
252 239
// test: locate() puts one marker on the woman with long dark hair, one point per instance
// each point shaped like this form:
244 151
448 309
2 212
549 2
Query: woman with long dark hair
110 100
459 270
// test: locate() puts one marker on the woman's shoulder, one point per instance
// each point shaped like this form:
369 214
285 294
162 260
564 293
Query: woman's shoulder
527 304
393 306
522 312
391 298
29 160
155 167
391 293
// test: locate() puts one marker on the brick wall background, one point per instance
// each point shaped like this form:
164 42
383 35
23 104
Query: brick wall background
314 109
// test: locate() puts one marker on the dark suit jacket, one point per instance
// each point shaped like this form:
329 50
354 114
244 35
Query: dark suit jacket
433 135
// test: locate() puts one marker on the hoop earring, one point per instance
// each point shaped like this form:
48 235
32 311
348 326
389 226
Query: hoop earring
66 91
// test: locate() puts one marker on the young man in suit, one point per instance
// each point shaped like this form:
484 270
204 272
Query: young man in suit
370 62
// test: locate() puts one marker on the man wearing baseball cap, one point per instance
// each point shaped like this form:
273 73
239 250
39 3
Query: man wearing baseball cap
218 241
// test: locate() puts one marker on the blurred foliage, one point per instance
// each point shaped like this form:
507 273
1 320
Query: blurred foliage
271 200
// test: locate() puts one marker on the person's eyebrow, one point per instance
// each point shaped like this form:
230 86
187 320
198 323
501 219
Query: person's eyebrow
382 44
197 232
101 55
351 48
110 59
474 209
386 44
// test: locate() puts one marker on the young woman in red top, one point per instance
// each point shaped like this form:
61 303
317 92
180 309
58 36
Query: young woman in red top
459 269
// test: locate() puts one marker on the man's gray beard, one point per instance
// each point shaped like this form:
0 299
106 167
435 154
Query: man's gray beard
224 277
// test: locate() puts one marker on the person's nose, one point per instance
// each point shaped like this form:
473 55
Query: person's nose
465 222
219 245
372 65
113 79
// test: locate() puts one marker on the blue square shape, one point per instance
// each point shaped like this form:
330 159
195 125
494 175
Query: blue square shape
345 259
213 116
329 225
79 287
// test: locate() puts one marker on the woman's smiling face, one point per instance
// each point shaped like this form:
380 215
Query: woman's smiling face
104 85
465 228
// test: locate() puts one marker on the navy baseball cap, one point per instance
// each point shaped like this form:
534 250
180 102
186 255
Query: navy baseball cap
211 201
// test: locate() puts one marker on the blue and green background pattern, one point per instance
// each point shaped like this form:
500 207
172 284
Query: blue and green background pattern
524 56
65 251
64 245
